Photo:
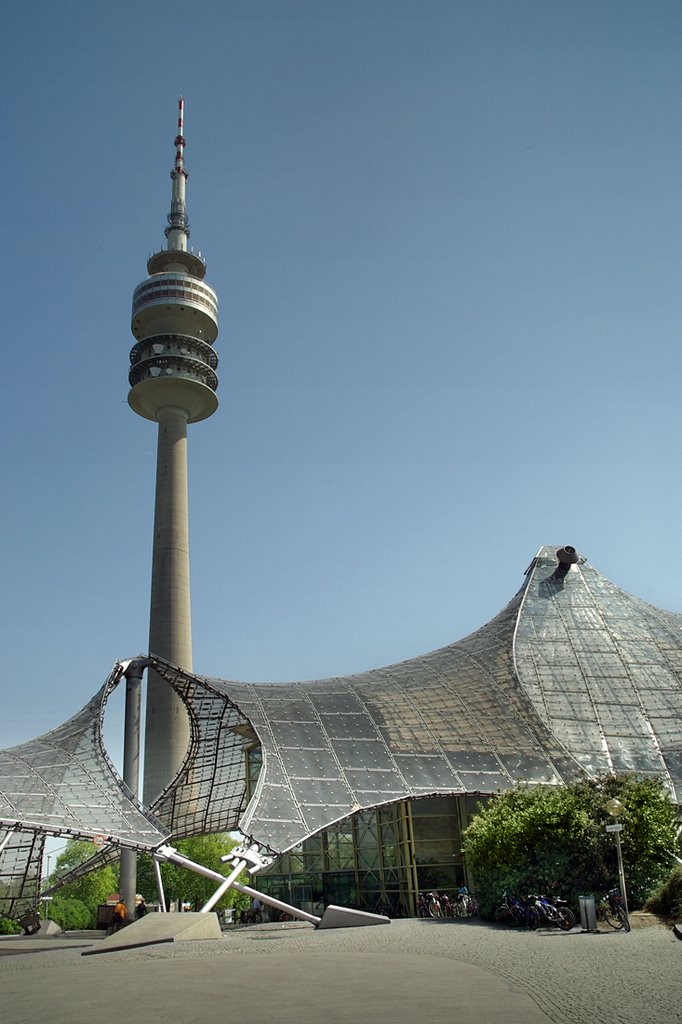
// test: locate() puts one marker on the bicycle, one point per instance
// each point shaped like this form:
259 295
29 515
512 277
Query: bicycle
384 908
422 904
551 913
513 913
612 910
464 904
434 905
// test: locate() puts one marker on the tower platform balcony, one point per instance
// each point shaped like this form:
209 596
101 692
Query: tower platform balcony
172 390
167 259
173 369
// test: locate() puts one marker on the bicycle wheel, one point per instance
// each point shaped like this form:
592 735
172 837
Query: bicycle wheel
467 905
447 908
612 917
566 919
503 915
517 916
434 909
623 918
532 918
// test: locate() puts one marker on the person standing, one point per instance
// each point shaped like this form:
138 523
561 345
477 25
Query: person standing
119 916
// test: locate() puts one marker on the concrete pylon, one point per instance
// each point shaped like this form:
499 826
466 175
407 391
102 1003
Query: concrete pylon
131 771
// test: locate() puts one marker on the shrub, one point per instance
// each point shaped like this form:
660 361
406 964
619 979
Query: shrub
90 889
9 927
552 840
667 899
69 914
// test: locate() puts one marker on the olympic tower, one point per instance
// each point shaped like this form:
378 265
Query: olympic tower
173 382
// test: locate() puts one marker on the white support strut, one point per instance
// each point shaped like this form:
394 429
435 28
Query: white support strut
169 853
159 886
239 866
334 917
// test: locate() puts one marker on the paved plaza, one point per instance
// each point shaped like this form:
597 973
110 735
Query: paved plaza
406 972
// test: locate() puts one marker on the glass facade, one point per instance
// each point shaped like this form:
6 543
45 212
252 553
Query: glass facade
377 860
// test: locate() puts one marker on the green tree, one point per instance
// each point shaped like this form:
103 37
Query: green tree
667 899
8 926
89 890
552 839
184 885
70 914
649 837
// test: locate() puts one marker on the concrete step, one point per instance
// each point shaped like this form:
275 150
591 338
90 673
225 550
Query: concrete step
643 919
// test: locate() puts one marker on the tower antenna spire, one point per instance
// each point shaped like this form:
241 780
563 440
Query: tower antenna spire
180 139
177 231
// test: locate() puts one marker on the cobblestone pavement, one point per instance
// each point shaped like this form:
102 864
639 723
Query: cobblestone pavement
409 970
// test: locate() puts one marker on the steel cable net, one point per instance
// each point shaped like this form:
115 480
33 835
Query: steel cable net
208 793
574 677
63 783
20 870
603 671
453 721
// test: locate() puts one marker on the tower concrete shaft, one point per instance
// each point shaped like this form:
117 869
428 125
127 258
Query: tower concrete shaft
173 382
170 625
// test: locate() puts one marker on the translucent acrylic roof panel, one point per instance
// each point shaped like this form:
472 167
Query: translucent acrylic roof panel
209 793
344 742
63 783
601 668
568 679
20 867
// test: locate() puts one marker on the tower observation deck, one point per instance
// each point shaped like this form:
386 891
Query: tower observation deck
173 381
175 319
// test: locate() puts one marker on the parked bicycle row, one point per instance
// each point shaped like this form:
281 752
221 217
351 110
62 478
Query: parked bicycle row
535 911
441 904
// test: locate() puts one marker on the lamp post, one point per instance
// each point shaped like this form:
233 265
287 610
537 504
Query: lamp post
46 899
615 808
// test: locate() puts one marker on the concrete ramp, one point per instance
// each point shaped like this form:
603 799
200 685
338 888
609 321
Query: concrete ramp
156 928
47 928
346 917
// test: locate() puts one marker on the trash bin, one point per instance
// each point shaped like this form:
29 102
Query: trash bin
588 913
228 915
30 923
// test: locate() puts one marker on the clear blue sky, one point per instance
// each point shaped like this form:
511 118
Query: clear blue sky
446 240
